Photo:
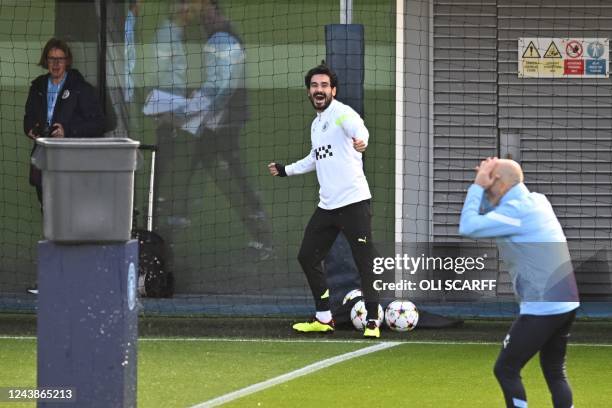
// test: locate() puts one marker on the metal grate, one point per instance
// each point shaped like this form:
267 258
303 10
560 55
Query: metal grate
559 129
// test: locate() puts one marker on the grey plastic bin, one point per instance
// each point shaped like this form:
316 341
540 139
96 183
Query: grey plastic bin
88 187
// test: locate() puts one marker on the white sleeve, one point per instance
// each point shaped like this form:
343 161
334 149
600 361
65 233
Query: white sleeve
306 165
353 126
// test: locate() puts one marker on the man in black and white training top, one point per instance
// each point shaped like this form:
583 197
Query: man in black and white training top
339 137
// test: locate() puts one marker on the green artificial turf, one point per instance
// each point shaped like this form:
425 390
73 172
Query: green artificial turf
178 373
436 376
182 373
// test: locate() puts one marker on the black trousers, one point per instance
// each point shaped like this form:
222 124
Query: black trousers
354 221
528 335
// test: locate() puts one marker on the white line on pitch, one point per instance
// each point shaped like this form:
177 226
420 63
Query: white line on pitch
349 341
294 374
256 340
318 340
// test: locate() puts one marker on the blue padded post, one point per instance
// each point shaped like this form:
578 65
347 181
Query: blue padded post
88 322
345 47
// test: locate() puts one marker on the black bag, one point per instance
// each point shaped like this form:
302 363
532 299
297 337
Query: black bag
154 280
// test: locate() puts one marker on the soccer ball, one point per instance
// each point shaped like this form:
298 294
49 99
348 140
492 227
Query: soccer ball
401 315
355 293
359 315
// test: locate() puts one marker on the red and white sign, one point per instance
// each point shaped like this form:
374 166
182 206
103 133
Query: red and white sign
573 67
574 49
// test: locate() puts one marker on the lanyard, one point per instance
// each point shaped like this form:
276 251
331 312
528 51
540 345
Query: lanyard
52 93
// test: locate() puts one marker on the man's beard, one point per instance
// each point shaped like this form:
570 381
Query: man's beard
313 100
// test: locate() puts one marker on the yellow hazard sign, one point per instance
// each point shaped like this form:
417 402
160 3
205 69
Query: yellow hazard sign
531 51
552 51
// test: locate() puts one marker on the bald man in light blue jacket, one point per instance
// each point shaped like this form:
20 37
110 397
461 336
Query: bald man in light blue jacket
533 246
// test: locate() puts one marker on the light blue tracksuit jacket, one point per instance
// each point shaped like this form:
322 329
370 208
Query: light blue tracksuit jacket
531 244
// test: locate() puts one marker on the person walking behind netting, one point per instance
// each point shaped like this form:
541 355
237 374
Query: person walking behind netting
170 76
214 116
338 137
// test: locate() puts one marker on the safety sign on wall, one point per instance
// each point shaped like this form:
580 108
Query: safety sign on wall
563 58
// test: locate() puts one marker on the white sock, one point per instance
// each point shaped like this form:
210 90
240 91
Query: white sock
324 317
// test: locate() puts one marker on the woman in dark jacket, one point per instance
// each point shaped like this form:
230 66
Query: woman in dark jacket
60 103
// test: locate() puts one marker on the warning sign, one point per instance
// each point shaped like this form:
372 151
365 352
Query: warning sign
573 49
563 58
531 51
574 67
551 68
552 51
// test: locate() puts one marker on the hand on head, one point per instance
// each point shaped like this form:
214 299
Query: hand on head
497 176
485 176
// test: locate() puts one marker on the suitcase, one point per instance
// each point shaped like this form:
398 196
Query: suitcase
154 279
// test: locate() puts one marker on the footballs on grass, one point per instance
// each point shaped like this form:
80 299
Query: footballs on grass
359 315
401 315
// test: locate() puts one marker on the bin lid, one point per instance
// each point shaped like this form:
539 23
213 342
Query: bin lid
93 154
95 142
